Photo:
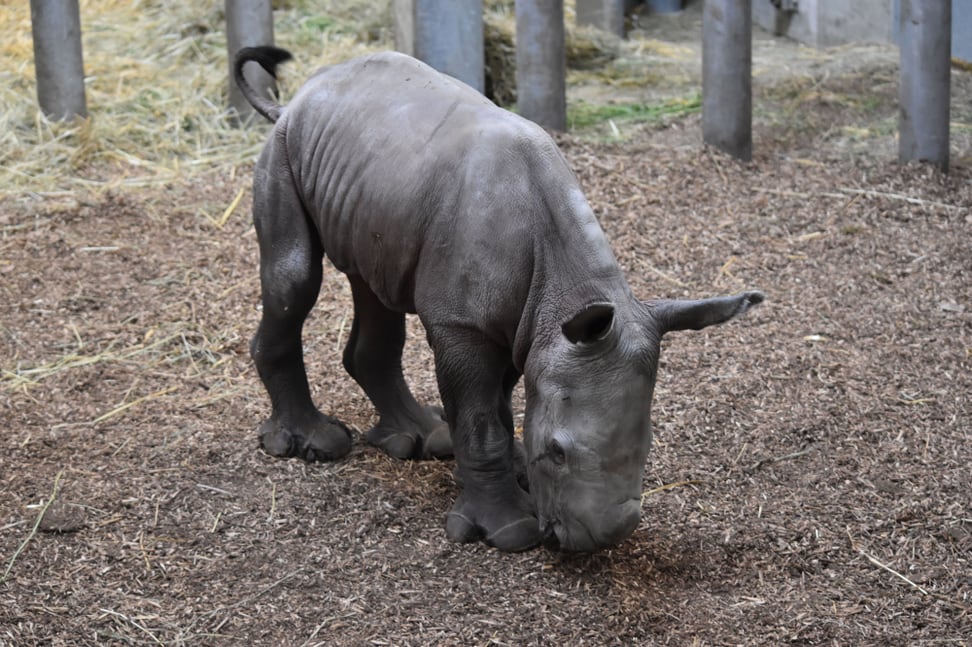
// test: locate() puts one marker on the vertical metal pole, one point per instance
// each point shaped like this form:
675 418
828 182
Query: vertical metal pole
727 89
58 59
924 90
403 15
603 14
541 62
448 35
249 23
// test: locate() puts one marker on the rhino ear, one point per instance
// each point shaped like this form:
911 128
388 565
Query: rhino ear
592 323
695 315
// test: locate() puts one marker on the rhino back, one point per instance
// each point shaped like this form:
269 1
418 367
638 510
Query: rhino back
374 149
441 201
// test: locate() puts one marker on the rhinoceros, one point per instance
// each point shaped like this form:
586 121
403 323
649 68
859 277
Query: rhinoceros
434 201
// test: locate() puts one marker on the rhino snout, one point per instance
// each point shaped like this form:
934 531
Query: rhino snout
548 535
594 530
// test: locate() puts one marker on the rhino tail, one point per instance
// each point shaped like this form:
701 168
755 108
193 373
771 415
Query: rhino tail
268 58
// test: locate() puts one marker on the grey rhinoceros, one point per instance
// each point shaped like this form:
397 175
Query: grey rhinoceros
432 200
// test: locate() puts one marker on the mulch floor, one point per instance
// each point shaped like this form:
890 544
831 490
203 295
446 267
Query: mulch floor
817 451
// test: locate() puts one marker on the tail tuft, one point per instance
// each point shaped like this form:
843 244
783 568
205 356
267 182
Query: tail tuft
268 57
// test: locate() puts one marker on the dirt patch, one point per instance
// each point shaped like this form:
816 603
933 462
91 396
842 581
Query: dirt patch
817 451
825 436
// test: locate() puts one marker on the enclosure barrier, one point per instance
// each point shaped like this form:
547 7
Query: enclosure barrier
727 88
541 66
249 23
446 34
924 91
58 58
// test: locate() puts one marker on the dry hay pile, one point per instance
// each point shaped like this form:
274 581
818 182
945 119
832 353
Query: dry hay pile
586 48
156 83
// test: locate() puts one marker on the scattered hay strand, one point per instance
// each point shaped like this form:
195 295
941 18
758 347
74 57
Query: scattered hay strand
250 598
169 349
778 459
134 623
273 501
33 530
877 562
918 587
842 192
905 198
231 208
128 405
145 556
664 276
666 487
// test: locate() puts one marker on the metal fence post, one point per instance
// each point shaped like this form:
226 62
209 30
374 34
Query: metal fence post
924 90
540 62
58 58
727 89
249 23
446 34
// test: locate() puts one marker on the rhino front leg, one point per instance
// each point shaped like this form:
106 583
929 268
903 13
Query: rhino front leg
373 357
492 506
290 278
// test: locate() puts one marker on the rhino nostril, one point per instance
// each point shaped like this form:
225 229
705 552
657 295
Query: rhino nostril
549 536
556 452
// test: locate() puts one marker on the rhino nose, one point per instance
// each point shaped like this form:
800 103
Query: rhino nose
626 519
605 530
549 536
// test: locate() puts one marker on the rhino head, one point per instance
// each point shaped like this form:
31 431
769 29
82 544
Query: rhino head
588 402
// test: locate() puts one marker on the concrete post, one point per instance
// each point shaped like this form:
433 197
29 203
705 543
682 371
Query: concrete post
541 65
924 90
607 15
727 89
58 59
446 34
249 23
664 6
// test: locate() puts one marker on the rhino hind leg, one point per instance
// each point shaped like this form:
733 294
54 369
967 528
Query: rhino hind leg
290 276
373 357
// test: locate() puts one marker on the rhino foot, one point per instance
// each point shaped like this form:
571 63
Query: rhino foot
322 438
427 439
519 467
509 526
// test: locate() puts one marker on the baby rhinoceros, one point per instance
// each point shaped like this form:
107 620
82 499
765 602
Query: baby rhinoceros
434 201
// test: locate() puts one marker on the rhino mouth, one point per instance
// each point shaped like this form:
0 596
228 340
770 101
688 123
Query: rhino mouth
549 536
557 537
580 537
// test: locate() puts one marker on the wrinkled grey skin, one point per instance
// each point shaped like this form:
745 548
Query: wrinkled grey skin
434 201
